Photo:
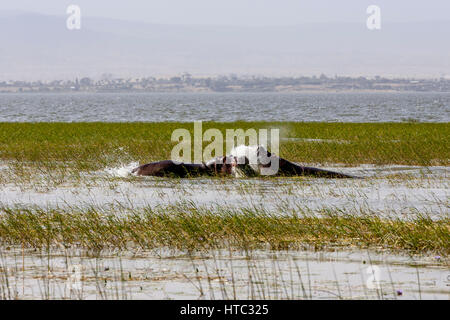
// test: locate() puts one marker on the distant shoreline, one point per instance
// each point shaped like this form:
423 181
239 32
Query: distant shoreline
222 92
186 83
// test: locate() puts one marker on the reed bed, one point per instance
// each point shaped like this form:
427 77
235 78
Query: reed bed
188 226
91 146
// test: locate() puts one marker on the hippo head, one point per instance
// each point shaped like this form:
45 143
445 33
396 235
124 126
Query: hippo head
222 165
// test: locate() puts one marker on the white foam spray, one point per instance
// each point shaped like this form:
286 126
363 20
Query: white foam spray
123 171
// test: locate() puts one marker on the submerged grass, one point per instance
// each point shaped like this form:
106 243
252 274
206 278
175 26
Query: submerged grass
186 226
91 146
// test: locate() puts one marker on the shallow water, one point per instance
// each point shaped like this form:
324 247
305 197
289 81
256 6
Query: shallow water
187 107
164 274
418 189
329 273
261 274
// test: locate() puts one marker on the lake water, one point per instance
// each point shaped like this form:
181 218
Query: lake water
187 107
296 274
424 190
223 274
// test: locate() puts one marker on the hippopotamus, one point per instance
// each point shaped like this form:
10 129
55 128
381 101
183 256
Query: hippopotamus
242 161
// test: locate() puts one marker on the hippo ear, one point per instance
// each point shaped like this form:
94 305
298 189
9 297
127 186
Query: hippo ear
263 152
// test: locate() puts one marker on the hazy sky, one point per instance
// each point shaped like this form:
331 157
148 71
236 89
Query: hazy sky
211 37
242 12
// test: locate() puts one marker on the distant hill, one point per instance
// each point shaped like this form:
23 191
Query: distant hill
35 46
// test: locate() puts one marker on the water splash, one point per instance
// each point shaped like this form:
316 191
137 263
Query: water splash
123 171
